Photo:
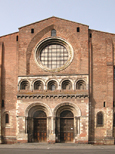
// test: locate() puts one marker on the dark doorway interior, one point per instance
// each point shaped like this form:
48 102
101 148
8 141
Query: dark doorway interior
66 126
40 126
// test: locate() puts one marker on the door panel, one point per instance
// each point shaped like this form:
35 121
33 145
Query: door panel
40 129
66 129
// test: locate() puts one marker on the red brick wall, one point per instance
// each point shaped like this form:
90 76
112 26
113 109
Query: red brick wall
101 82
65 30
9 81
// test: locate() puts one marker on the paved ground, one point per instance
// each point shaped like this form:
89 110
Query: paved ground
58 148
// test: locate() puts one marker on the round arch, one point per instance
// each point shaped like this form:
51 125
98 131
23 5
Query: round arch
31 109
22 80
67 106
80 80
38 79
52 80
60 83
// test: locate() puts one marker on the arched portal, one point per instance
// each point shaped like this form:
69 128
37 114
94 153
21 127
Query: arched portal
67 122
37 122
66 126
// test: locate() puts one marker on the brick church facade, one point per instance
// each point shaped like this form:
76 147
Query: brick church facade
57 84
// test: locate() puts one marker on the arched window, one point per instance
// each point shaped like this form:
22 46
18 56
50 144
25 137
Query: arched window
66 85
81 85
52 85
6 118
38 85
99 119
53 32
24 85
114 119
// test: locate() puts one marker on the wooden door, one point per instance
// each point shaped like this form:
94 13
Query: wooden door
66 127
40 130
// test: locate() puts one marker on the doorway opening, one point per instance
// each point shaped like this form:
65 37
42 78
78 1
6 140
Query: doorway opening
40 126
66 126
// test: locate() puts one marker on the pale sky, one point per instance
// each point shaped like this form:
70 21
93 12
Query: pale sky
97 14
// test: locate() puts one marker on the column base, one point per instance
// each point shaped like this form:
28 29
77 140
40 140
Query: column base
52 138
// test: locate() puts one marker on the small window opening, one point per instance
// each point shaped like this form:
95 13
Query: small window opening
66 85
103 104
52 85
90 35
53 32
2 103
114 119
78 29
32 30
7 118
113 103
99 119
17 38
114 73
38 85
24 85
81 85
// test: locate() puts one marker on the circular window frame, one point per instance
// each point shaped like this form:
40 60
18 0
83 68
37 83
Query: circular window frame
49 41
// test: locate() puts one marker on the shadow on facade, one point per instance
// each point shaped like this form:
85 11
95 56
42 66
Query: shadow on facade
3 74
91 99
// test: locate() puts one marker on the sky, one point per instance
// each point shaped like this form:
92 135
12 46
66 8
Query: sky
97 14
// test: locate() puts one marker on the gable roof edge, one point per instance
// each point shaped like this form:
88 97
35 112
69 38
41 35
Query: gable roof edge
50 18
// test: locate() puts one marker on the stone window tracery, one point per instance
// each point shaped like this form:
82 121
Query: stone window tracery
53 54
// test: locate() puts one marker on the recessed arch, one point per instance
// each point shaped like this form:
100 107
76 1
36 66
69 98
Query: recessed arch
60 83
66 85
81 84
32 108
67 106
37 118
38 85
24 85
33 42
38 79
52 85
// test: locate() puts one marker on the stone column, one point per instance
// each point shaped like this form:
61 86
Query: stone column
77 128
52 134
